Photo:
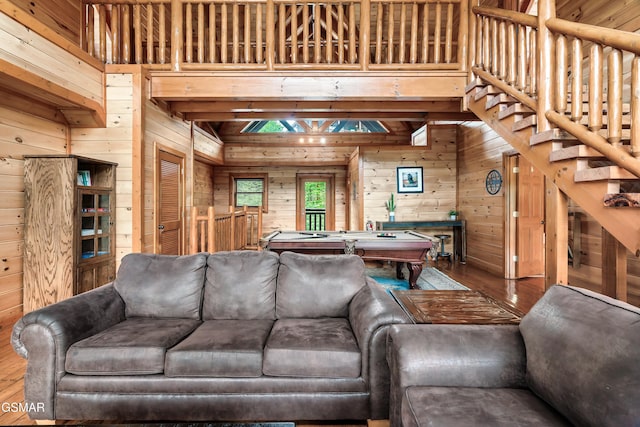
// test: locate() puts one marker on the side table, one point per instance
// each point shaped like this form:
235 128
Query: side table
456 307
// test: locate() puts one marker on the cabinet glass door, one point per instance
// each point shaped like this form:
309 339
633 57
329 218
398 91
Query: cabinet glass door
96 224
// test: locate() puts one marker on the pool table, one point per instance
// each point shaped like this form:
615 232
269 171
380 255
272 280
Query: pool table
400 246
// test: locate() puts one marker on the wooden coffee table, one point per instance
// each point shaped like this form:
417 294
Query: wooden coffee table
456 307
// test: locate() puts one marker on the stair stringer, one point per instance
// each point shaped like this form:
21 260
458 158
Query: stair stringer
622 223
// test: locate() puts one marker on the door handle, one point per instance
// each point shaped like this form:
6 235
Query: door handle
161 227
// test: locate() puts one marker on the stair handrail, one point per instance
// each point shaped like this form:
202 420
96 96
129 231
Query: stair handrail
606 141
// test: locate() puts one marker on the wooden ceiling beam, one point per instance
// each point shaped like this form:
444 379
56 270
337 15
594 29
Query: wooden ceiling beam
311 86
446 106
301 115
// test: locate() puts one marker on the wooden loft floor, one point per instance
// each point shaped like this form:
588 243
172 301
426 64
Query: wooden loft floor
522 294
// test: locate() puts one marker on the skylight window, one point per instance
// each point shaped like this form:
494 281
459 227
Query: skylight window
295 126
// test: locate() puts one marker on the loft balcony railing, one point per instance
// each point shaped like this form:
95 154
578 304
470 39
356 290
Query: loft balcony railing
315 219
278 34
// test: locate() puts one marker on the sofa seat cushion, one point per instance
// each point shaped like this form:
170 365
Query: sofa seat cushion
462 406
135 346
324 347
221 348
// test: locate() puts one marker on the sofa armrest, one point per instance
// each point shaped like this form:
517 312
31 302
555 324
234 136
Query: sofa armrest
371 312
453 356
43 337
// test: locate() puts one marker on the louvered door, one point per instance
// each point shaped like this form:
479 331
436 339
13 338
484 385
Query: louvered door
169 204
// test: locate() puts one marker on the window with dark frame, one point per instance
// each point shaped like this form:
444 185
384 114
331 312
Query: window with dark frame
250 191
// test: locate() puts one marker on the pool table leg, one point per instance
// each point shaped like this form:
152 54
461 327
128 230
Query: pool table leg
415 268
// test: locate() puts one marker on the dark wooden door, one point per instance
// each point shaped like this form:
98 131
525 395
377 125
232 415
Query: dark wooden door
169 205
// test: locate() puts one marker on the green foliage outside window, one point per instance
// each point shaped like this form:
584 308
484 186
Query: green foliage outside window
249 192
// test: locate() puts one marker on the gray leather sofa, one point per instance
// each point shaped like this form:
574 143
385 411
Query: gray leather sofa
573 360
227 336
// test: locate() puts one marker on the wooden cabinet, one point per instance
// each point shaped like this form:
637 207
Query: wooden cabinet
69 227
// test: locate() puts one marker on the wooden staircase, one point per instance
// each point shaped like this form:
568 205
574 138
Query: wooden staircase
579 171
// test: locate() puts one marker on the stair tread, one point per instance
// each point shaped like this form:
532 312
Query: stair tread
574 152
515 109
500 99
527 122
485 91
603 173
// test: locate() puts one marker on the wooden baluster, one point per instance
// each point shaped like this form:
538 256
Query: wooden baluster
188 30
126 34
305 33
436 34
576 84
448 36
193 231
533 64
212 33
473 44
425 33
595 88
328 21
635 107
235 33
201 50
521 77
224 25
294 34
317 33
502 50
115 34
211 234
203 237
413 55
259 56
102 28
91 30
403 30
177 36
479 40
390 31
546 10
614 97
162 39
137 30
379 27
150 39
353 57
232 233
562 72
512 53
340 30
282 33
486 44
495 48
247 33
270 19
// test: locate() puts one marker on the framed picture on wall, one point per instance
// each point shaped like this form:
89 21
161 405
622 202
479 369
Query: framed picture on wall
409 179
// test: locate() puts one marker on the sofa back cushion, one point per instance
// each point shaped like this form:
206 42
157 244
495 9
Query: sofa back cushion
241 285
161 285
583 350
314 286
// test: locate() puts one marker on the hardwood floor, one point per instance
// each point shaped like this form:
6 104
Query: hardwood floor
522 294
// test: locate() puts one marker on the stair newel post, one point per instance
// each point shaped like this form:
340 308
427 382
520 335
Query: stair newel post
635 107
463 36
614 97
176 35
365 34
547 60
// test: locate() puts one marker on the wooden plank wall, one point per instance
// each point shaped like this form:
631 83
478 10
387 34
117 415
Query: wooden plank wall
169 132
203 187
282 193
113 143
479 151
20 134
63 16
438 161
